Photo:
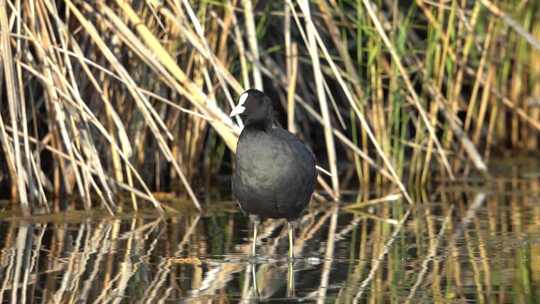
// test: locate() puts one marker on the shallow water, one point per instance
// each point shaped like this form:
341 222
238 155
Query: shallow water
473 243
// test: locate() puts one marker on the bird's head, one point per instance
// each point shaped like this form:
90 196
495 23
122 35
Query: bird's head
255 108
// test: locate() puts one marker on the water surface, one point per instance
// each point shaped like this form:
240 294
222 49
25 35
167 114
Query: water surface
474 243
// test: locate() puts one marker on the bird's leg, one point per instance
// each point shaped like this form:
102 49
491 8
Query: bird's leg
255 220
254 243
290 227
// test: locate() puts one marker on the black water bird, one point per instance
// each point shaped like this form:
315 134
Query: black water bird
275 171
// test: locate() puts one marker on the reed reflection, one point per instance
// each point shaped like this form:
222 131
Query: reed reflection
465 243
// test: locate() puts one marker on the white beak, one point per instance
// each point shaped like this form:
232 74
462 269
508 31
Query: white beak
239 109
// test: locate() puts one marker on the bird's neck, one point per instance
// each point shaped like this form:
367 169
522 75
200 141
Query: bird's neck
259 125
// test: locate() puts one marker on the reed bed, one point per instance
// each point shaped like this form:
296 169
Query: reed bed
110 97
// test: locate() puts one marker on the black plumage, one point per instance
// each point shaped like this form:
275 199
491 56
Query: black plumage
275 171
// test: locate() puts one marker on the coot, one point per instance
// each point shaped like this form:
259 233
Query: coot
275 172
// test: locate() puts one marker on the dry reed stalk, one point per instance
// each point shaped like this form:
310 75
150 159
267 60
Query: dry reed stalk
151 117
18 172
311 45
97 168
363 121
483 104
28 158
346 141
534 141
491 130
429 148
455 127
187 87
365 125
80 135
457 82
8 154
479 74
350 69
291 68
55 83
408 84
213 60
511 104
147 196
113 121
438 68
494 9
242 54
387 198
436 24
292 73
252 41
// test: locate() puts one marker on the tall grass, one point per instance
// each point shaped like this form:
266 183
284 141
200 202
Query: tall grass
116 96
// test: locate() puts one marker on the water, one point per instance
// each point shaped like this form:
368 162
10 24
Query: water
462 243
